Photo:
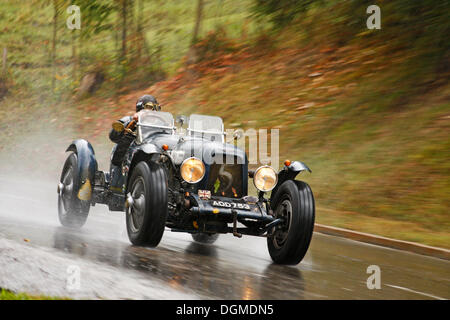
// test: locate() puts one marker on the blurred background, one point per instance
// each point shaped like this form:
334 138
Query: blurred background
367 110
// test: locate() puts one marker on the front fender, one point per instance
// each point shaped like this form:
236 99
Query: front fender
136 153
87 166
289 173
149 148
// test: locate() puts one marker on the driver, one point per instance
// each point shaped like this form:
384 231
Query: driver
122 138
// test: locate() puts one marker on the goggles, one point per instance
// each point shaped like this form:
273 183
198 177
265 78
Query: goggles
149 105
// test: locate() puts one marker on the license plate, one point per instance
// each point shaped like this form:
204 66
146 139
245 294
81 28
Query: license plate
230 205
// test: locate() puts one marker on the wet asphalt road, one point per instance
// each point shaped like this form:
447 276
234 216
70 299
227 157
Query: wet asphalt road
232 268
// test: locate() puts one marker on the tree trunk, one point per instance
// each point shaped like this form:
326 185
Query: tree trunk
53 53
80 54
5 52
124 29
74 57
132 37
244 30
140 36
200 4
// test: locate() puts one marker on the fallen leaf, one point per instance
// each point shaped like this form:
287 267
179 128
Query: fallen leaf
305 106
315 74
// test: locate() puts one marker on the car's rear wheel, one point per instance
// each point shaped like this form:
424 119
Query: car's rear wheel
205 237
294 204
72 211
146 211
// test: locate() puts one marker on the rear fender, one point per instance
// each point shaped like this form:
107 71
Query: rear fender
289 173
87 166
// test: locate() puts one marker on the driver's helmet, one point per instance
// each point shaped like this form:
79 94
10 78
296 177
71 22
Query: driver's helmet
147 102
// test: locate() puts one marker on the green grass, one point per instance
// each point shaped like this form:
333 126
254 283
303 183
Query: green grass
9 295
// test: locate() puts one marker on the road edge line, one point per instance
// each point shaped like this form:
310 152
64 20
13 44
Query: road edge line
422 249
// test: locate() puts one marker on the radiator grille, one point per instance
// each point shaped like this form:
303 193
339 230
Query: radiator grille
225 180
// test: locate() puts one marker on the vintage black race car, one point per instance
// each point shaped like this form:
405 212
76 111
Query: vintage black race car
188 179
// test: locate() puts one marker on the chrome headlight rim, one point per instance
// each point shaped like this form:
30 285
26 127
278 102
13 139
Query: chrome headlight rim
256 173
203 166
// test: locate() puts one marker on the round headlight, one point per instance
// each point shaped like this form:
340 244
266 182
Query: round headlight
265 178
192 170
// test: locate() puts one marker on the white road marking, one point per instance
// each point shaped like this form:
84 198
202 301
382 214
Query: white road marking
414 291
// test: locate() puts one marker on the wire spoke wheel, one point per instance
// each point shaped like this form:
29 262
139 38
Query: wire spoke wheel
137 210
66 192
72 212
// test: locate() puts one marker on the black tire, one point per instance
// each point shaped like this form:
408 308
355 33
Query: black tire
295 201
72 212
146 217
207 238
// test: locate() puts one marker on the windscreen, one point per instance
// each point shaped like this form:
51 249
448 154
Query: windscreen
154 121
157 118
209 127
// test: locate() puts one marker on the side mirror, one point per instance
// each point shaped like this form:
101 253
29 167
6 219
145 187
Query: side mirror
181 119
118 126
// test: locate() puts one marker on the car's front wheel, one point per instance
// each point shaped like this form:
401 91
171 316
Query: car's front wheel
293 203
146 211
